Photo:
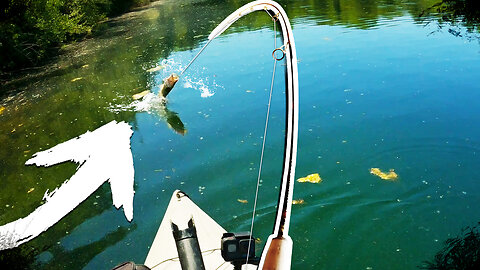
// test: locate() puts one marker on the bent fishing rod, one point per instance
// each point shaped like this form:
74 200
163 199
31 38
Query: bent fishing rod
278 248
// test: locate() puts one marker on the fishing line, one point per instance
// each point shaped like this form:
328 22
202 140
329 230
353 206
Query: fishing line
264 135
177 259
191 61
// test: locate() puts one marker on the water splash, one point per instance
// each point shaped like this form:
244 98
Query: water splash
150 103
194 79
199 85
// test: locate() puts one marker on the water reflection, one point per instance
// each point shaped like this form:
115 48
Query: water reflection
461 18
460 252
84 254
173 120
153 104
26 255
103 154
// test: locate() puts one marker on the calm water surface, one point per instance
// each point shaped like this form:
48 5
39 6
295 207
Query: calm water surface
379 87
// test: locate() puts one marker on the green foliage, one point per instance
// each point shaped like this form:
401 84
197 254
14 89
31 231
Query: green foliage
32 30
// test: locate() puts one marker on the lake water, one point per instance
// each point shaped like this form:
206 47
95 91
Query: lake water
379 87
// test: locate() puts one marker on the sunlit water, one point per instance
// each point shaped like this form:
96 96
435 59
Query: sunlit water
378 88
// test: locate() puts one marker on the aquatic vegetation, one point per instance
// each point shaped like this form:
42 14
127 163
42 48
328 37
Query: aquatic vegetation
83 183
22 257
312 178
391 175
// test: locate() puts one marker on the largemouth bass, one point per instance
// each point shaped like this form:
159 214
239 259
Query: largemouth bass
168 84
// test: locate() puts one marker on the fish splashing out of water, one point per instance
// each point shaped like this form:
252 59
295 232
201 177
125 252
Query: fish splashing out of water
168 84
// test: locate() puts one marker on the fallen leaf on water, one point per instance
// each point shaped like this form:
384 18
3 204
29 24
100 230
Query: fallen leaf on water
140 95
312 178
391 175
299 201
2 109
242 201
76 79
30 190
157 68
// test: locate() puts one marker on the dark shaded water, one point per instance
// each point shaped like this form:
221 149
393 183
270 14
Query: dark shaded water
379 87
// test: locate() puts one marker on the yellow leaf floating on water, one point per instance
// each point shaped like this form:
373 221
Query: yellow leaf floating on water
299 201
391 175
242 201
312 178
30 190
76 79
140 95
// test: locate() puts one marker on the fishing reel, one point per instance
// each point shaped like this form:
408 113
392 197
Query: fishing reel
235 249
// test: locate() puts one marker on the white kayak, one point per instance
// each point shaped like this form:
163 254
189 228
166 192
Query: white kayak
163 252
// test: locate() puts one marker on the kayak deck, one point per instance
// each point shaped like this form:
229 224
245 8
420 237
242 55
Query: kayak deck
163 252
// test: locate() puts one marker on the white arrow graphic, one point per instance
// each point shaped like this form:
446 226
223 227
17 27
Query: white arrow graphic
103 154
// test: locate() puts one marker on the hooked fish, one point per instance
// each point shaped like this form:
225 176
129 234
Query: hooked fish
168 84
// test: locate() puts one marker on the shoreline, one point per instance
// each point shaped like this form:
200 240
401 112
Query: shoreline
59 60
